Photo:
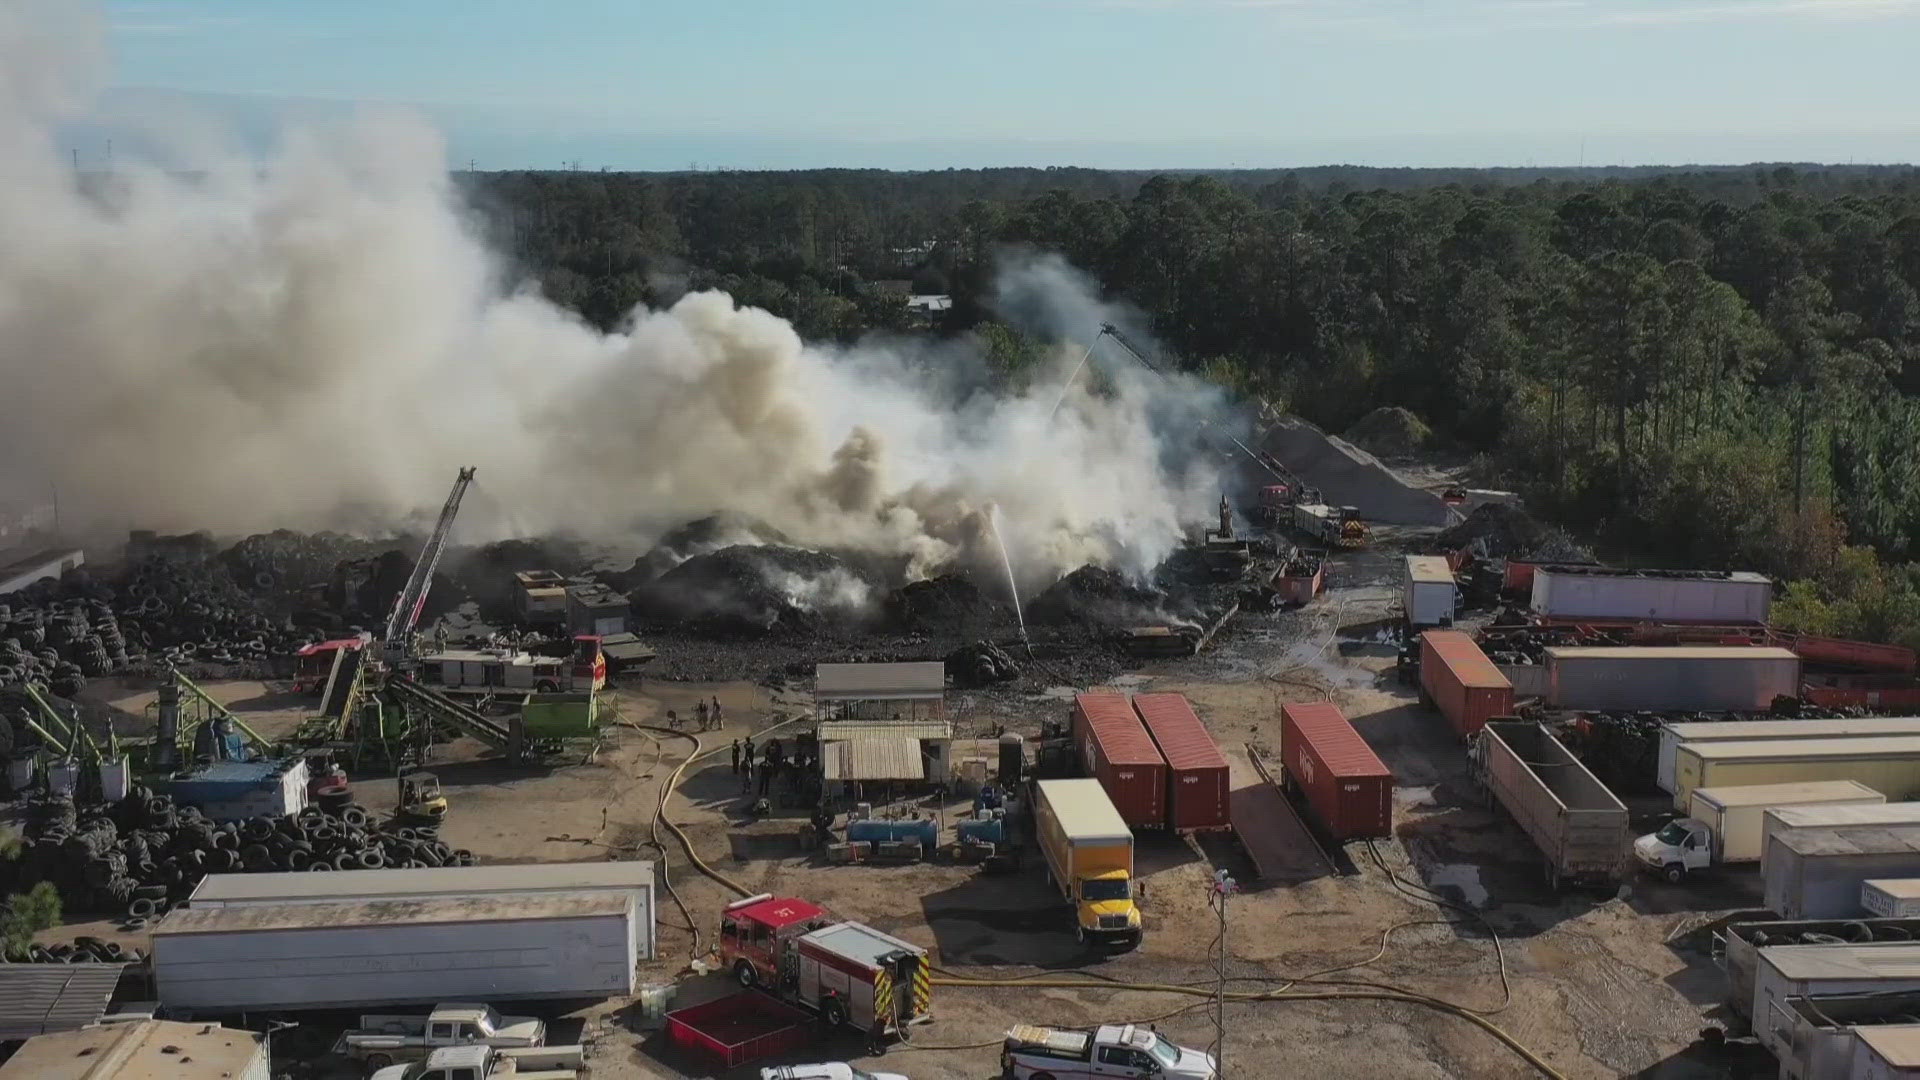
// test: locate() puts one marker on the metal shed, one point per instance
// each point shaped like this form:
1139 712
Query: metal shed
907 751
908 691
39 998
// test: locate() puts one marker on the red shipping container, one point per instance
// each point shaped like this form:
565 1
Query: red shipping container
1461 682
1197 785
1116 749
1345 782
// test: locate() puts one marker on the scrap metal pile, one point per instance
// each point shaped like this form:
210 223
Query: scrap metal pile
1623 748
1511 644
146 853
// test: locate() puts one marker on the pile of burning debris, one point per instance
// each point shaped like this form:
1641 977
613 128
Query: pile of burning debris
1098 596
1501 531
757 589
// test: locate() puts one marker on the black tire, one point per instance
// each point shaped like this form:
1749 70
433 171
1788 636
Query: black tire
744 974
1041 1076
834 1012
1674 873
376 1062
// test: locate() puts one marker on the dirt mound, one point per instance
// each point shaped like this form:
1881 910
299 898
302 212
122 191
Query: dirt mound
758 588
1097 595
948 603
1390 431
1500 531
1349 476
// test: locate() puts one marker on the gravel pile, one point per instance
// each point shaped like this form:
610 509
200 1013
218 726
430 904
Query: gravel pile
1499 531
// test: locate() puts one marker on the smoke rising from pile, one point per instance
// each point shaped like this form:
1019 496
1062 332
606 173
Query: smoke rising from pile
319 340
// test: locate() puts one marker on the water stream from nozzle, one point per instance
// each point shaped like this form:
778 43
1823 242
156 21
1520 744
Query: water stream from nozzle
1064 388
1006 560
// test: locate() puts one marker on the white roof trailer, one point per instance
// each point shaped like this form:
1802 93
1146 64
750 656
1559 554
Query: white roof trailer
1673 735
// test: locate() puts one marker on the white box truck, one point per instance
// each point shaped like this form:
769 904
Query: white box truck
288 957
1672 736
1816 873
1426 593
1723 825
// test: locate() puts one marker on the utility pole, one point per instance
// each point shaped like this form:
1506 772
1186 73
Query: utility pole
1223 886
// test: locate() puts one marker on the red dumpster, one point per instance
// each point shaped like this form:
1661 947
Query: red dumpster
1349 788
1197 786
1459 680
1116 749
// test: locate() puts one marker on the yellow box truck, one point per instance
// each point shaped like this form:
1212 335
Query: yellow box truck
1089 853
1890 766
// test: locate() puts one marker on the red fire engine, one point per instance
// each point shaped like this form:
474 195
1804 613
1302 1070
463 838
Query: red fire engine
847 972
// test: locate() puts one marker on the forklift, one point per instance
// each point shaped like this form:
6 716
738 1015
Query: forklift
421 801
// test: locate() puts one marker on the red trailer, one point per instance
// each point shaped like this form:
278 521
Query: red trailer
1864 655
739 1028
1345 782
1459 680
1197 784
1115 747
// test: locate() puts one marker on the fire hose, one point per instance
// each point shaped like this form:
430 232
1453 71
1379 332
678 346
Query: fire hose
948 978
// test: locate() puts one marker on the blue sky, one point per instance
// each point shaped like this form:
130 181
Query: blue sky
1115 83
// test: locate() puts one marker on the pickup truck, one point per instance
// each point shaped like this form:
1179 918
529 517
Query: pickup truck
383 1040
831 1070
486 1063
1121 1050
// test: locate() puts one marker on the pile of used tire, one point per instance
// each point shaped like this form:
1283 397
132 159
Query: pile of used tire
59 643
981 663
184 612
83 950
146 853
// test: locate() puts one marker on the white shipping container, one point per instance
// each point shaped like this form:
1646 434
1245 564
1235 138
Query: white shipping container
1426 592
1791 971
274 957
1817 873
1891 898
1839 818
1672 736
1679 596
1661 677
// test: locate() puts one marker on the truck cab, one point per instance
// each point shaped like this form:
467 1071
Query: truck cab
1103 903
1680 845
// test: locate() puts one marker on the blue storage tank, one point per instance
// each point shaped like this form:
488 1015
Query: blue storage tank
874 831
987 830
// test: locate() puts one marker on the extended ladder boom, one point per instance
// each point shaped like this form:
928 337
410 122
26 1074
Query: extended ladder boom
1112 331
413 599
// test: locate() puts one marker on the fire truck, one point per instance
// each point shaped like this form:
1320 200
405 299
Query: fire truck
314 663
846 972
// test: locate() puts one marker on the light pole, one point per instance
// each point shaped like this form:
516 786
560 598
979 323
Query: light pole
272 1027
1223 886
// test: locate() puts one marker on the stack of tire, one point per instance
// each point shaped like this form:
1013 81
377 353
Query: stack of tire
83 950
148 853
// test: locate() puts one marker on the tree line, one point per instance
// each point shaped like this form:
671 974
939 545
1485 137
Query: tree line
1708 367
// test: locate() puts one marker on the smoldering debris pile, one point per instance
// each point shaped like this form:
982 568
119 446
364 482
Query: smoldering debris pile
948 603
981 663
1500 531
1096 595
757 589
700 536
146 853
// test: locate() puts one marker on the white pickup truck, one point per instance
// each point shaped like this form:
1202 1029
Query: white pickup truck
382 1040
830 1070
486 1063
1129 1051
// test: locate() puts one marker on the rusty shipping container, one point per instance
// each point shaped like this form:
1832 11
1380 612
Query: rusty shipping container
1345 782
1459 680
1197 785
1116 750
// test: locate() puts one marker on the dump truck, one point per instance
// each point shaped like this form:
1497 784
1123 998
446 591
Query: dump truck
847 973
1089 854
1128 1051
382 1040
486 1063
1578 825
1724 825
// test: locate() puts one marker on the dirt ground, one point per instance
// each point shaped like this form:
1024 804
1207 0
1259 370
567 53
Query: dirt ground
1589 983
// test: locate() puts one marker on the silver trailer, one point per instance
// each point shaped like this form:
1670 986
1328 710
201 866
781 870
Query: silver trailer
1673 736
1673 596
1839 817
1827 1036
289 957
1817 873
1662 677
1799 971
1737 945
1578 825
1426 593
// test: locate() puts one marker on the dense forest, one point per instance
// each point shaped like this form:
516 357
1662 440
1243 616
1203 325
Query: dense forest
1712 367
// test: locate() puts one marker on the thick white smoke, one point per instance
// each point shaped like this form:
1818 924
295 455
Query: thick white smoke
319 340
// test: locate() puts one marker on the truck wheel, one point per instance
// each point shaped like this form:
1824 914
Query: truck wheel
834 1012
743 971
376 1062
1674 872
1040 1076
1080 935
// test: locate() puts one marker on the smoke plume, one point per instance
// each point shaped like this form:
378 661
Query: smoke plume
317 338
